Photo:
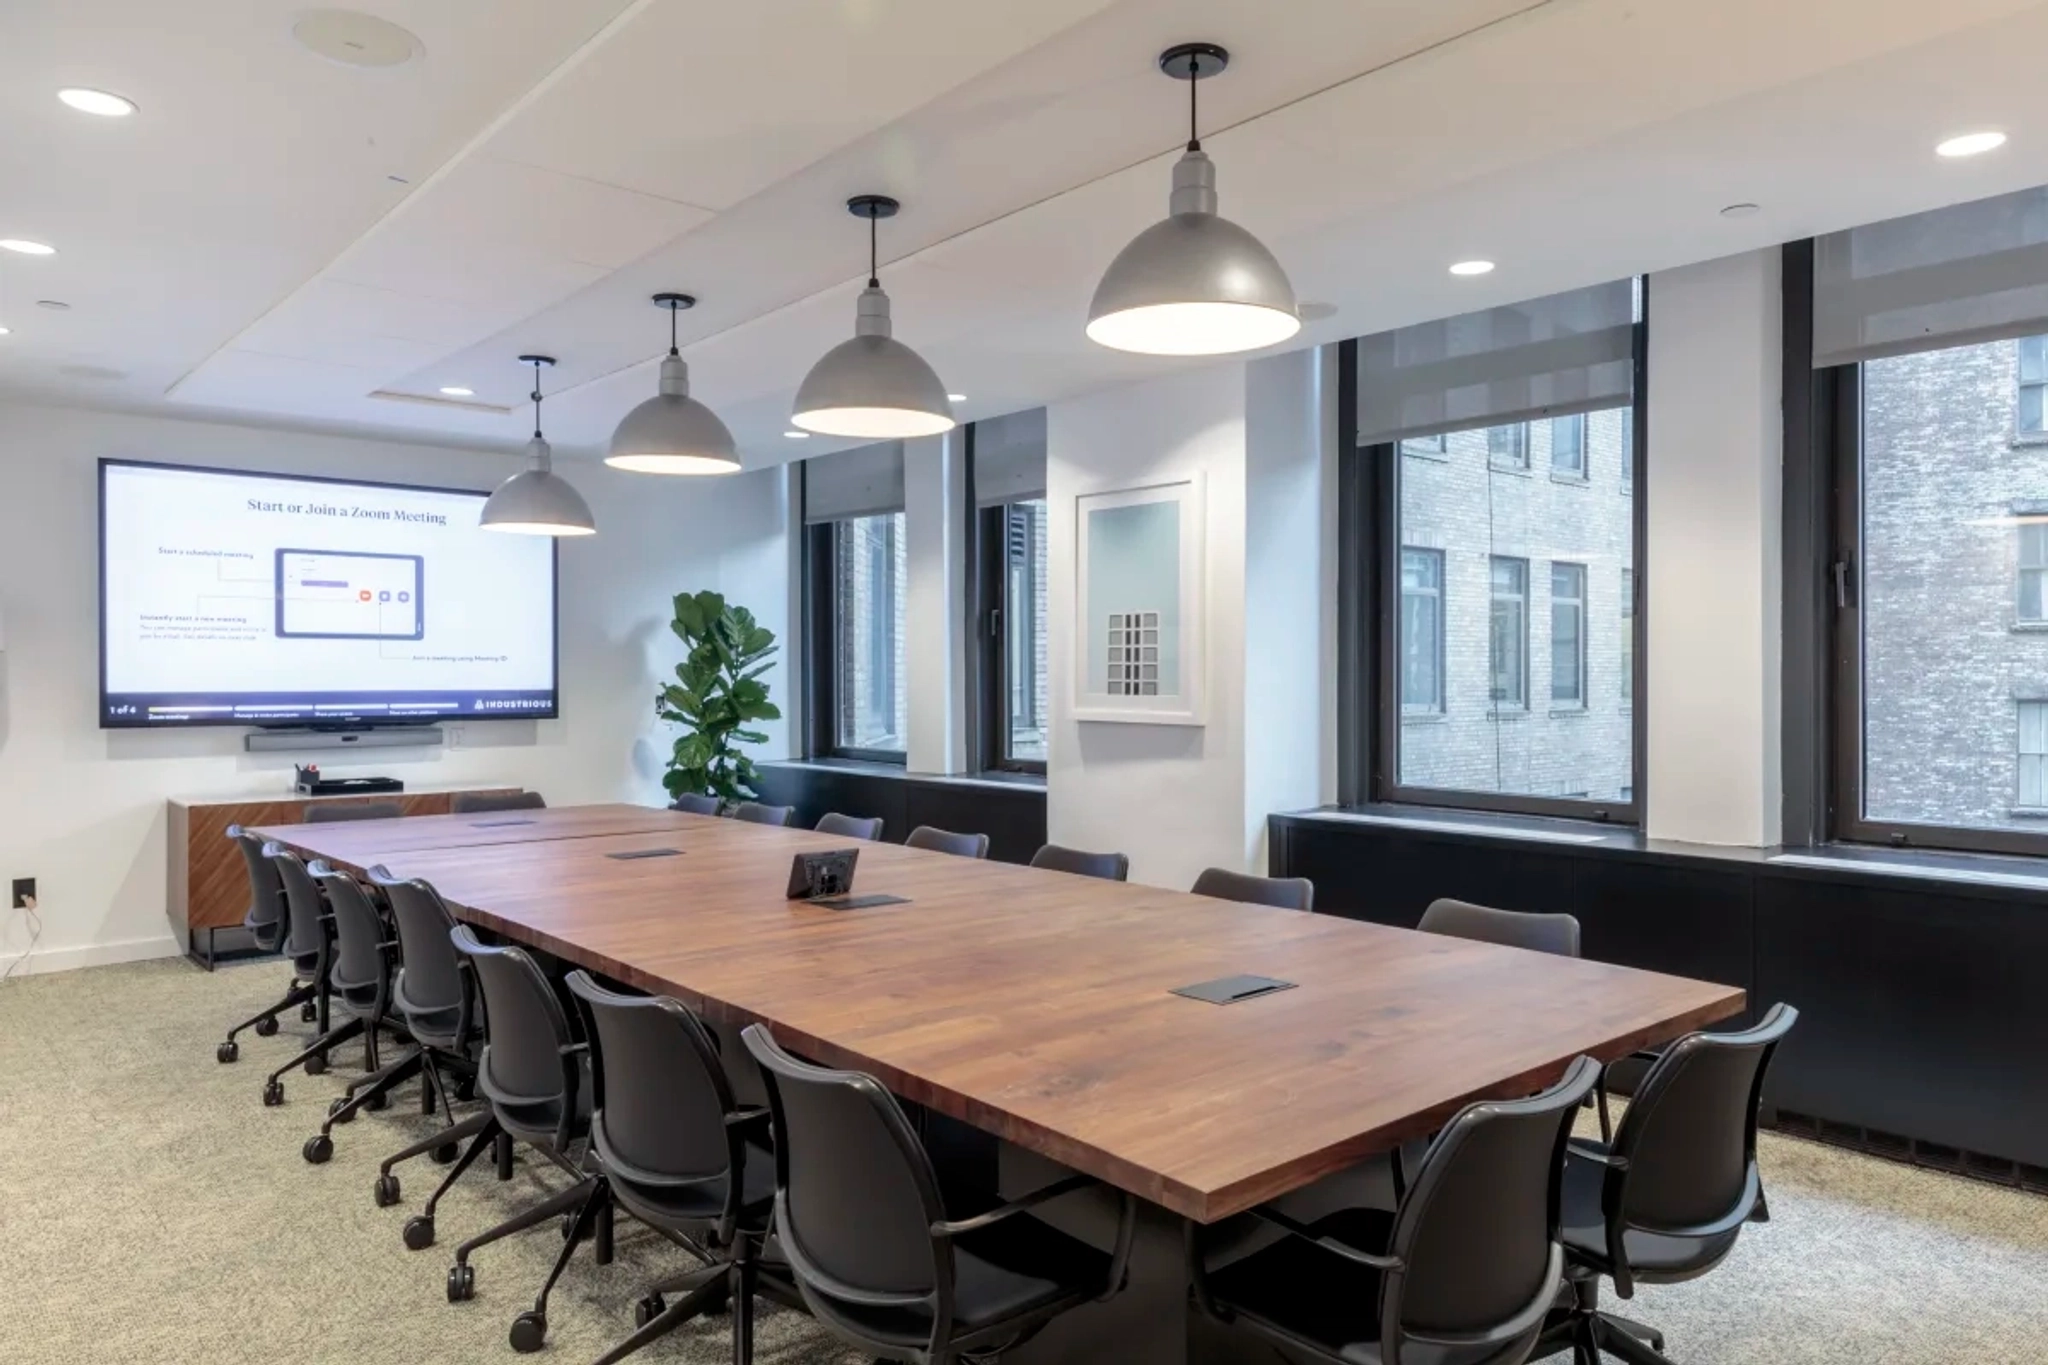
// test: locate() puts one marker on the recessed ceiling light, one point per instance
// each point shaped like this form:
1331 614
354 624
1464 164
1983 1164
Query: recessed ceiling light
1472 268
102 102
1970 144
26 248
457 391
956 398
797 435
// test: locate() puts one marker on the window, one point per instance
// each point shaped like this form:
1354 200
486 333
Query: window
1628 636
1568 635
1628 443
2033 755
1507 639
2031 418
1025 673
1009 673
1424 445
868 630
1422 630
2033 570
1508 447
1568 446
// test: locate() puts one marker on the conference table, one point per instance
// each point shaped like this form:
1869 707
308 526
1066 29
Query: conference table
1038 1007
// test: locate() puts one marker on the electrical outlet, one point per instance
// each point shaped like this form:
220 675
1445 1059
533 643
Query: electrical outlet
24 892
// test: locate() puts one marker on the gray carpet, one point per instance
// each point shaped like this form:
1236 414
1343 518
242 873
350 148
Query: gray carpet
151 1210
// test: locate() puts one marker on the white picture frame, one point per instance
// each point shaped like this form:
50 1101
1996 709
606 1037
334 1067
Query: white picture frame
1140 562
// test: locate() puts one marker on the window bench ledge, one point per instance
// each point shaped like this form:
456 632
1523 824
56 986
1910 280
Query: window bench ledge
1003 781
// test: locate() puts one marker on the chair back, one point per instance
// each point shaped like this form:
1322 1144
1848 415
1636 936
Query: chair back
1688 1137
659 1092
267 913
850 826
1283 893
1557 934
695 803
945 841
855 1195
754 813
432 980
305 909
327 812
1112 867
361 971
526 1061
480 803
1477 1232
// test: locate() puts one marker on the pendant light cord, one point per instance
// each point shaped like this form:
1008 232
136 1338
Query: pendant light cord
874 281
536 400
1194 79
672 308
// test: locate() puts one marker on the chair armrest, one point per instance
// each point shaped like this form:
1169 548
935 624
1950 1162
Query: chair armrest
741 1118
1578 1147
1015 1206
1265 1213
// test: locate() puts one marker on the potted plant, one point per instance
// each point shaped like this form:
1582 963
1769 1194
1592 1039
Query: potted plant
717 696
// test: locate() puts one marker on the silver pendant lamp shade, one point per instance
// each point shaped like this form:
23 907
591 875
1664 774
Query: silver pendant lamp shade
538 501
873 386
673 433
1194 284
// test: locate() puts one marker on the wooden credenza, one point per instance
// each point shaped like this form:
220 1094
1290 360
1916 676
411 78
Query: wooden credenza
209 883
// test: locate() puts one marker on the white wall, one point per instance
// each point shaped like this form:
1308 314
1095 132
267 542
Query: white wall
82 809
935 602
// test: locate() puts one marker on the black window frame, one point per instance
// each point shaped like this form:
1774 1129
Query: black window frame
821 653
988 661
1369 712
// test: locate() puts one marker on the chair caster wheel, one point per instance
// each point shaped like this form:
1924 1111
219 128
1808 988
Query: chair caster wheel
266 1027
227 1052
529 1332
319 1148
648 1309
378 1103
273 1094
316 1066
419 1235
445 1153
385 1192
308 1014
461 1283
339 1111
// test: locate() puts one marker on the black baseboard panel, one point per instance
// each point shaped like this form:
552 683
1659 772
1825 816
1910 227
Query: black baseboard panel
1922 1015
1012 815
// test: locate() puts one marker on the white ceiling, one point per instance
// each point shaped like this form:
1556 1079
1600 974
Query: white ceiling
238 246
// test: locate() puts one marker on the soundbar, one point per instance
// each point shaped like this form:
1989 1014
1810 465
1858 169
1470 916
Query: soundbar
293 741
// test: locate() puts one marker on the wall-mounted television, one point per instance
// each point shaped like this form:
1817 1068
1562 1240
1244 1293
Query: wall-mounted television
230 598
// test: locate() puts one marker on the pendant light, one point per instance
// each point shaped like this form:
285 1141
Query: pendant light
1194 284
538 501
873 386
673 433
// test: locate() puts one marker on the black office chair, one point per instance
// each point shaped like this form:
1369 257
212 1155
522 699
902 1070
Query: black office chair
533 1075
682 1156
1556 934
1667 1200
483 803
327 812
1113 867
875 1257
695 803
850 826
754 813
269 923
1464 1272
309 942
945 841
1282 893
435 993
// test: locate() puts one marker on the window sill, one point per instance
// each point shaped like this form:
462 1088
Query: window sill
868 768
1507 713
1423 718
2029 440
1571 480
1519 471
1434 456
2029 627
1568 712
2028 813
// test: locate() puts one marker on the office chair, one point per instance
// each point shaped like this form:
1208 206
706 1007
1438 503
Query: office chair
754 813
875 1257
1464 1272
484 803
435 993
327 812
269 923
532 1073
695 803
944 841
850 826
682 1156
1666 1201
308 941
1113 867
1282 893
1555 934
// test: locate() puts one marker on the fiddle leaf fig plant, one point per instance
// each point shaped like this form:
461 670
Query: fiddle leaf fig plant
718 696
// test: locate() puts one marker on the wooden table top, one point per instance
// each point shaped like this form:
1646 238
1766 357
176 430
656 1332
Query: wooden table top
1036 1005
349 841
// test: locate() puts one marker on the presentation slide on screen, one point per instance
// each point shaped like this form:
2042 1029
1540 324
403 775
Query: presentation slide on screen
246 599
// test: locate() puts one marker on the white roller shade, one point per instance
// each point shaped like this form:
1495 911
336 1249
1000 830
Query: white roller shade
1009 458
863 482
1957 276
1548 357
